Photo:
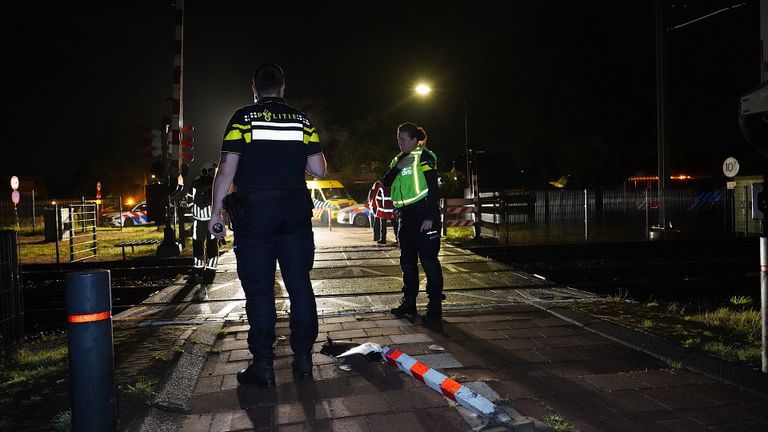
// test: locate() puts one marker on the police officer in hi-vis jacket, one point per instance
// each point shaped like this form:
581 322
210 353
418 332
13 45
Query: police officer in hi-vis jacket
413 178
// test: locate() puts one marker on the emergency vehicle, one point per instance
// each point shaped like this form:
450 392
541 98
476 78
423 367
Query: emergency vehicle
328 194
357 215
136 216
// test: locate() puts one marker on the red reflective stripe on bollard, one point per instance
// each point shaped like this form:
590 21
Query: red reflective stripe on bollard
449 388
393 356
89 317
418 370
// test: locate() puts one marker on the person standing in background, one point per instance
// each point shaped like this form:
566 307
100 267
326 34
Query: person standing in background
382 210
205 247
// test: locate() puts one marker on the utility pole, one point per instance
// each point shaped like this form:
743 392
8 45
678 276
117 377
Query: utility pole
170 247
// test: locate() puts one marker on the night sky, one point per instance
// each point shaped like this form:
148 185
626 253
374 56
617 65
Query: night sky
552 87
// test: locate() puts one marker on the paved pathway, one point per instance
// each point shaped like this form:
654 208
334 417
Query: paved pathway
530 362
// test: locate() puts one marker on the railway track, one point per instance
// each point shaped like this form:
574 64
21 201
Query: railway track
680 270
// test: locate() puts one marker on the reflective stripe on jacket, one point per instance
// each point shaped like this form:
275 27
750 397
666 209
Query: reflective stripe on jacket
410 185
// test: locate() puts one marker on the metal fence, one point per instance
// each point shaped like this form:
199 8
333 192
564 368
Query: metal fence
11 295
29 214
43 226
565 216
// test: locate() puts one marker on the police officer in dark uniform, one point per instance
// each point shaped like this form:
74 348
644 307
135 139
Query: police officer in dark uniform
267 148
413 178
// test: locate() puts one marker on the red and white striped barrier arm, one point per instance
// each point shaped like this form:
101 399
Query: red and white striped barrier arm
435 380
442 384
459 210
458 223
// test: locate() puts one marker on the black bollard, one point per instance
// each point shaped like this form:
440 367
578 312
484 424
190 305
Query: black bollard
91 355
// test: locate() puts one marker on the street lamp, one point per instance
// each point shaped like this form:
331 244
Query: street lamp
423 89
661 148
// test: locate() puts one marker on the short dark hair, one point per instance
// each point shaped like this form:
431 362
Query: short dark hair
268 78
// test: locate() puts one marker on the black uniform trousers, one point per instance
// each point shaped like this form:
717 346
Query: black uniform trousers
380 228
417 245
265 234
376 226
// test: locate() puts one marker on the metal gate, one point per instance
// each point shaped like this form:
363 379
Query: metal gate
82 231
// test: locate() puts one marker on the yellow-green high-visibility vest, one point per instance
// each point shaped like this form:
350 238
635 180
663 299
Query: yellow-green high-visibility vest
410 185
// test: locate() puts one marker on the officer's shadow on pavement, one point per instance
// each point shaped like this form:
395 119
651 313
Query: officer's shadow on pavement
258 404
195 286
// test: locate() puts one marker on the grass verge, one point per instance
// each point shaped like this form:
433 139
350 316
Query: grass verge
34 249
728 329
558 423
33 379
34 384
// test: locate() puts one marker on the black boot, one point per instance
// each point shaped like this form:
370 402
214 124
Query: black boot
260 372
407 308
302 366
434 311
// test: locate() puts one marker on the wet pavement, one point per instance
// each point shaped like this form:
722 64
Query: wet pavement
501 336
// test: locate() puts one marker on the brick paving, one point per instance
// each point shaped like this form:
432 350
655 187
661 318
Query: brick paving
536 364
527 360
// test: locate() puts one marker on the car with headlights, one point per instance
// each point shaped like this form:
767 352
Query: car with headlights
357 215
135 216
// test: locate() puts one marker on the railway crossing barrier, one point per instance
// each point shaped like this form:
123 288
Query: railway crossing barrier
457 212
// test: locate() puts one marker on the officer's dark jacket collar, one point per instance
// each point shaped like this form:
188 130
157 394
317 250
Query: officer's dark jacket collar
270 99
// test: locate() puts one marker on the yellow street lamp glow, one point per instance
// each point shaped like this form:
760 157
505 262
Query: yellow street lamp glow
423 89
130 201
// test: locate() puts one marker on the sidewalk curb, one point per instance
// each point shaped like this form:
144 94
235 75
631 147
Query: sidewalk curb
750 380
173 398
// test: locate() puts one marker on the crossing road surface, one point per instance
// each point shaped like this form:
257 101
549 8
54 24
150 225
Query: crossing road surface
351 274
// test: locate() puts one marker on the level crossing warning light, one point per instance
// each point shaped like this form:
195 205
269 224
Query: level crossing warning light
187 143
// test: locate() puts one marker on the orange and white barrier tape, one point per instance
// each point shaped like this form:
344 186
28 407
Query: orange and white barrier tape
435 380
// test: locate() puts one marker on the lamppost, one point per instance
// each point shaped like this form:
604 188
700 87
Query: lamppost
661 148
423 89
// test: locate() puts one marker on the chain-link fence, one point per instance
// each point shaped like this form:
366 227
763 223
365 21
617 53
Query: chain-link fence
11 295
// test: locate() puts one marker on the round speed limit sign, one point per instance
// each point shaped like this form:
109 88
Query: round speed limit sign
731 167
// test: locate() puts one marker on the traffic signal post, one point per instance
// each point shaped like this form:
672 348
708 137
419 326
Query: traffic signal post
169 247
